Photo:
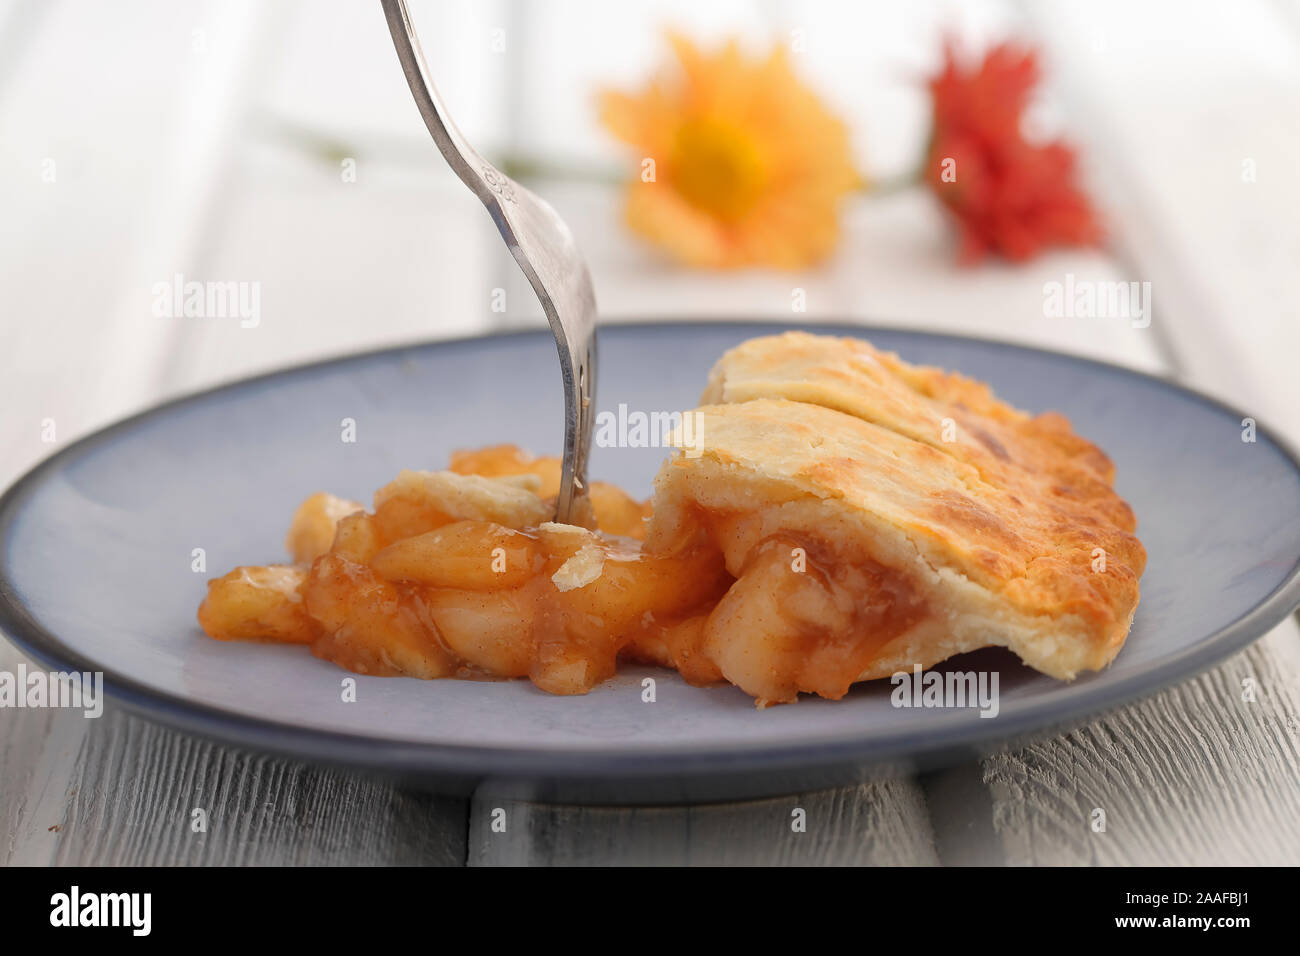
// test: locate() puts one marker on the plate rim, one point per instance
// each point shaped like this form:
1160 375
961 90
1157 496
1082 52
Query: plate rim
1072 702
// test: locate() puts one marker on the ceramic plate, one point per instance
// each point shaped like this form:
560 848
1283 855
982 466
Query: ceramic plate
96 548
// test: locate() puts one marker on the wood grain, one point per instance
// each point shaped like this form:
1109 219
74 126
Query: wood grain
119 790
881 823
1191 776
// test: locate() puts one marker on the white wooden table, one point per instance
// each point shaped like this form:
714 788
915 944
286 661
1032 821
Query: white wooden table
187 167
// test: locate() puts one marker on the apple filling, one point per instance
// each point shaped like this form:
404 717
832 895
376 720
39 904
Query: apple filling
460 574
800 616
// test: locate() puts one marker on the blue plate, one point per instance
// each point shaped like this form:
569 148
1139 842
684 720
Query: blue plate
97 550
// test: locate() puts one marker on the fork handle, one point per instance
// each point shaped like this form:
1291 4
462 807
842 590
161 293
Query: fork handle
455 149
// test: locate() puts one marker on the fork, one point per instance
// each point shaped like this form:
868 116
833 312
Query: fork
543 246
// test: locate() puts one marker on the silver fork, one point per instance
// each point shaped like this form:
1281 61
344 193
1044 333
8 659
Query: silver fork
546 252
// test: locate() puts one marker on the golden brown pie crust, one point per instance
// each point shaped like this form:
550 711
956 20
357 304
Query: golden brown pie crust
1013 518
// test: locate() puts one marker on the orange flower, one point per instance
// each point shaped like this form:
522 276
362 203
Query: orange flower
1009 196
748 166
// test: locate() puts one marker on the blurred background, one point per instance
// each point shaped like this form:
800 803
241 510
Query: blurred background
274 142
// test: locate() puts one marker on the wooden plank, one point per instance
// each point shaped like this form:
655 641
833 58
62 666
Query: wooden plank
342 267
37 749
1193 776
881 823
122 791
1209 231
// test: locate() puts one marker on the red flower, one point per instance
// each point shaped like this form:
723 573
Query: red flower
1009 196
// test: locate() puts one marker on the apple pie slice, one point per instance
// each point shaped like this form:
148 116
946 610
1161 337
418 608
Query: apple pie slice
878 516
836 516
